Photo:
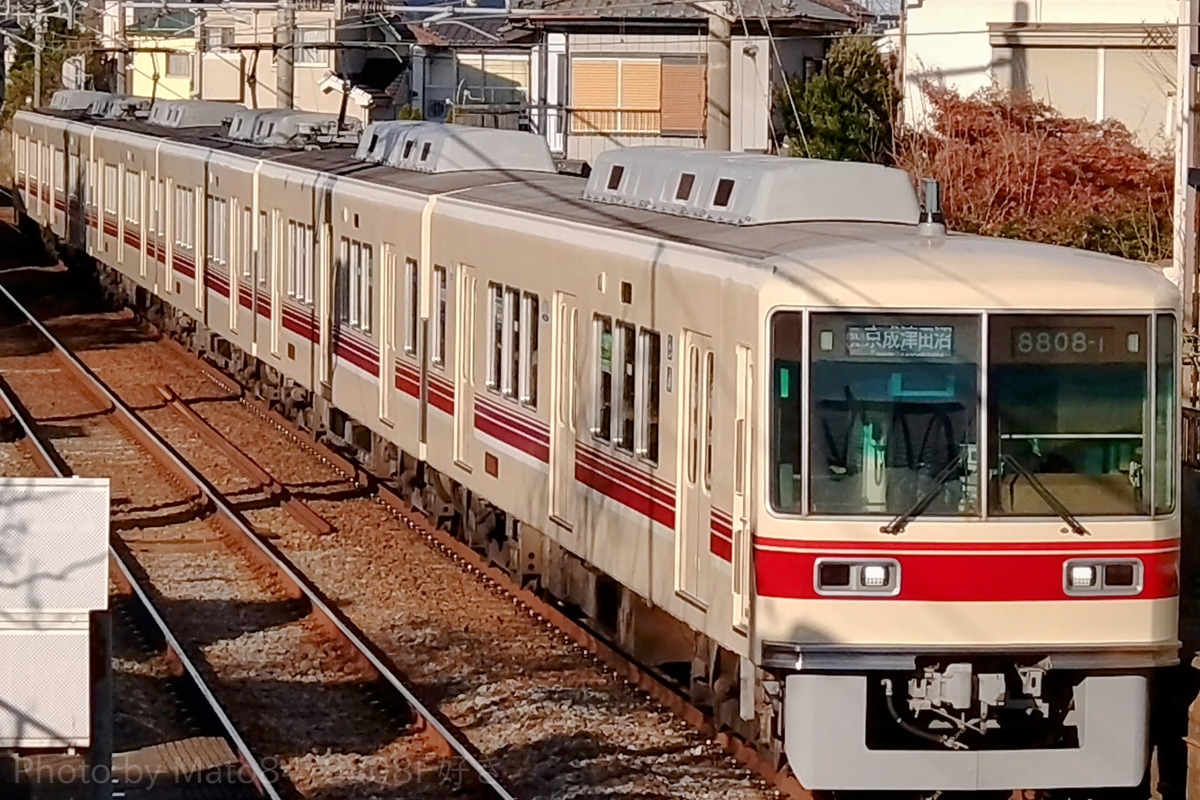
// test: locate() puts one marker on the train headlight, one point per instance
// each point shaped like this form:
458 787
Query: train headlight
848 577
1083 577
1103 576
875 575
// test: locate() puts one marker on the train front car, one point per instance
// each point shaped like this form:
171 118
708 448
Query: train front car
966 561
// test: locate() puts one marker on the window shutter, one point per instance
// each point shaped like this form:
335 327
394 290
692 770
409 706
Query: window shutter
641 85
594 84
684 96
593 95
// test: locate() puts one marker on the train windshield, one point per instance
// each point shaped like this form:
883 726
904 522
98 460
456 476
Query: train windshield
1068 414
893 414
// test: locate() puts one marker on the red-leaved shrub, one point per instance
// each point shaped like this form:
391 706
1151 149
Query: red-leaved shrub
1014 167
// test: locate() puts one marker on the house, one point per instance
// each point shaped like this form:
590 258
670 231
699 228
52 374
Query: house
476 72
164 55
1115 59
229 53
607 73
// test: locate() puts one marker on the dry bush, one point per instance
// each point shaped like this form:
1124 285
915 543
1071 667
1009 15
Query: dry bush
1017 168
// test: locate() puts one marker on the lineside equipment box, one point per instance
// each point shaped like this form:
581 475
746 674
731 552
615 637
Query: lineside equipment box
53 574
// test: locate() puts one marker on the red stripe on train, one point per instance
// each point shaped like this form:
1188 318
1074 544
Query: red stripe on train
962 578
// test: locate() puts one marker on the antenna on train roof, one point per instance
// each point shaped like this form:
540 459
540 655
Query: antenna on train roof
933 221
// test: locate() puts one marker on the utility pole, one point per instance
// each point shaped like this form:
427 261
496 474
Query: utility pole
717 134
902 67
284 75
1186 260
119 35
38 43
201 46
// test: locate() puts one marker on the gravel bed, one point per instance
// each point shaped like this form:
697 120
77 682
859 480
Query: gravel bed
553 721
305 707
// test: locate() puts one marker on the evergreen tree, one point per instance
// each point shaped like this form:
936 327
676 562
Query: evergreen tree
847 112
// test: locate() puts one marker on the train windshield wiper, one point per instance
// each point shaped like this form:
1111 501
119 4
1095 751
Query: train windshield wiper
1047 496
922 502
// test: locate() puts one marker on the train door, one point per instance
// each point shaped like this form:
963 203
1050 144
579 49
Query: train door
387 331
742 481
562 395
464 363
693 497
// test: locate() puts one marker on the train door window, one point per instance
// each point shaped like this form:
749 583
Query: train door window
602 424
626 385
89 187
512 335
495 335
366 286
60 172
413 281
73 175
348 288
529 349
709 381
264 249
293 262
646 402
19 149
693 451
111 189
1165 411
439 324
247 249
342 282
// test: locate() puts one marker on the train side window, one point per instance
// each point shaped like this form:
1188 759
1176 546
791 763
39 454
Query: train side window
19 149
133 197
602 423
60 171
511 340
439 326
529 350
495 335
412 279
626 389
647 400
73 176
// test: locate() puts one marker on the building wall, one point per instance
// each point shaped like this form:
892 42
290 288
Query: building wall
143 67
226 70
949 42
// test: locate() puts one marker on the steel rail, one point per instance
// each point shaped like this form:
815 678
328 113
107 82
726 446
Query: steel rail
245 755
284 568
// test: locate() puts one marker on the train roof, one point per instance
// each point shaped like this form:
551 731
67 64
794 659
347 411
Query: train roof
796 253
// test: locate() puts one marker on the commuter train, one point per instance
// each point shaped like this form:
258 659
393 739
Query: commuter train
899 505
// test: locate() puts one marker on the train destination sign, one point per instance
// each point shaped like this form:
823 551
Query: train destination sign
900 341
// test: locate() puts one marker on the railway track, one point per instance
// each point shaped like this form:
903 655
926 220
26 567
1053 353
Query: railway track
301 686
553 708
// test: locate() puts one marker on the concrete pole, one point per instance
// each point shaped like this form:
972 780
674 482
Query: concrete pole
286 24
1185 261
717 135
201 47
119 36
38 43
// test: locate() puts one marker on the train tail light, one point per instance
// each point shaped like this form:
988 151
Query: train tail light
847 577
1103 576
